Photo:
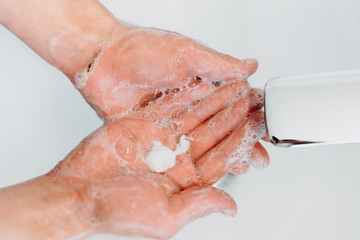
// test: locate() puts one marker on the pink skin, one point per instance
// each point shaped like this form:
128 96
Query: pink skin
116 192
103 185
121 195
141 61
257 157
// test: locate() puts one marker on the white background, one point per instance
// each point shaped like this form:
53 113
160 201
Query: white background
304 194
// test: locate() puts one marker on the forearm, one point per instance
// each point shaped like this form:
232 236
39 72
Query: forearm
65 33
42 208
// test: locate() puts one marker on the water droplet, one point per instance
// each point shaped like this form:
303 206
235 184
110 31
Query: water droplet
194 84
157 95
176 90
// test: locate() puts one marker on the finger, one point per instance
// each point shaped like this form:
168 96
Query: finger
192 117
216 128
208 63
259 157
184 172
199 201
240 167
173 100
266 139
220 159
253 64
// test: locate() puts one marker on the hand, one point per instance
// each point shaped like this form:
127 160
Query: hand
123 196
135 65
135 80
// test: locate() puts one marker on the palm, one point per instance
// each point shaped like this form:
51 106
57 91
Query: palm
109 163
133 68
122 194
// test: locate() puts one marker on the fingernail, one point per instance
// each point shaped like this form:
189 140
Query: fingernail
228 212
259 163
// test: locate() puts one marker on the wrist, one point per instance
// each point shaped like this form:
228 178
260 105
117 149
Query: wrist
72 206
90 48
49 208
65 33
69 204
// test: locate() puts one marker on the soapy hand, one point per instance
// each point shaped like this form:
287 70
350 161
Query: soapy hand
136 65
155 87
152 87
123 196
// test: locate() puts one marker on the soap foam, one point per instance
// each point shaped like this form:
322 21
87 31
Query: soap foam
81 79
162 158
254 130
82 75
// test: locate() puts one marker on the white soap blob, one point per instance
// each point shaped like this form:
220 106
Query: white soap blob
162 158
182 146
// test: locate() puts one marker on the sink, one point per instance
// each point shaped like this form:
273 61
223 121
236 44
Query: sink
307 193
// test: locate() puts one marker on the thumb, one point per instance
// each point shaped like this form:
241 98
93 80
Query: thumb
199 201
207 63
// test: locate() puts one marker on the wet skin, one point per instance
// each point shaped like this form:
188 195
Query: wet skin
220 115
147 85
